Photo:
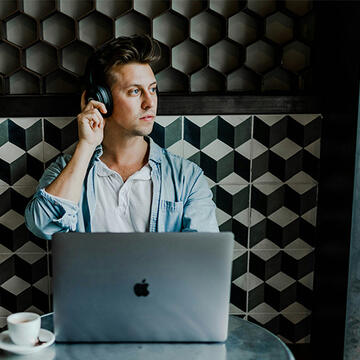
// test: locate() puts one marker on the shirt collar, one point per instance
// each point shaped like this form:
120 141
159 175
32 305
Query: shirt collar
142 174
154 153
103 170
155 150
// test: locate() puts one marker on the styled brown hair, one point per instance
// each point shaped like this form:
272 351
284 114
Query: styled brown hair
123 50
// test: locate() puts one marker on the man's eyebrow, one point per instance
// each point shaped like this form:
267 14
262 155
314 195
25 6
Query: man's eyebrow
139 85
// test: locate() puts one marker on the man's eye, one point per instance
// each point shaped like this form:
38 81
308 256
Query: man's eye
134 91
153 90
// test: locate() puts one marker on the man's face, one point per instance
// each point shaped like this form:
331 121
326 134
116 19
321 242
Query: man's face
134 99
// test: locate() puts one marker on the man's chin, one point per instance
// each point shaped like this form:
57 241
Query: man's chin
144 131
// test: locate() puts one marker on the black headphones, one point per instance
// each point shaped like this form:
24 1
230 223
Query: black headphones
98 92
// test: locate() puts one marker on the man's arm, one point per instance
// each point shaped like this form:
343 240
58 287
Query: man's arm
68 184
199 209
47 214
54 206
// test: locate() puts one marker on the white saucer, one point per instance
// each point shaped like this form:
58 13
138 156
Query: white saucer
8 345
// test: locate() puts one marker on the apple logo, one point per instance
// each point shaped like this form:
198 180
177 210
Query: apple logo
140 289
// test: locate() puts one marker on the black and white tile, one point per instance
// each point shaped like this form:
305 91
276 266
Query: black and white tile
60 132
20 141
23 257
167 133
263 171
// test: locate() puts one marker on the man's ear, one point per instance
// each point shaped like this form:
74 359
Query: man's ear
82 101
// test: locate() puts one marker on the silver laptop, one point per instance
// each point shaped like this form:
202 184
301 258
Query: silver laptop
141 287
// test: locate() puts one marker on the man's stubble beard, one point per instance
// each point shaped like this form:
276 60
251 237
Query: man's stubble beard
140 131
144 132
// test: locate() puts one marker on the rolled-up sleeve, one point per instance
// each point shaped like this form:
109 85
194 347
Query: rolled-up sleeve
199 209
46 214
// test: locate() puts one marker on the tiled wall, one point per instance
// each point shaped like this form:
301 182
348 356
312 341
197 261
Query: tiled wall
208 45
263 171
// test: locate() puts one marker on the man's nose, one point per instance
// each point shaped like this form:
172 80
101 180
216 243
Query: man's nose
148 100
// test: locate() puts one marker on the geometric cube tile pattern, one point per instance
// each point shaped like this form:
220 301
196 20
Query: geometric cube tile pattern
24 279
263 172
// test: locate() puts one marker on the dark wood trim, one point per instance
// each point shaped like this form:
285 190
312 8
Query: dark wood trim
68 105
237 104
39 105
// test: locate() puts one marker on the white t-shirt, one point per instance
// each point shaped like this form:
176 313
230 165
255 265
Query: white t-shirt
122 207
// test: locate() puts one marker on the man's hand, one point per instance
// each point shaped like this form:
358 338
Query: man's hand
68 185
90 122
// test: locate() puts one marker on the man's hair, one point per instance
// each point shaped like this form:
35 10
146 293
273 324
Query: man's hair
123 50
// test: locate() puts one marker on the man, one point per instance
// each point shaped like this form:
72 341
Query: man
128 183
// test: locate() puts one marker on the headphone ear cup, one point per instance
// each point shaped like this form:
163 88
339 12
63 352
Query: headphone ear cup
103 95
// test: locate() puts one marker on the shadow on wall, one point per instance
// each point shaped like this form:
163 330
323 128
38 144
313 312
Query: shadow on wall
352 327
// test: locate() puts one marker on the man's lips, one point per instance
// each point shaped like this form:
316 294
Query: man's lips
147 118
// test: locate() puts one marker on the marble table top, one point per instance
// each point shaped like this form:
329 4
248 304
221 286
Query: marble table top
246 341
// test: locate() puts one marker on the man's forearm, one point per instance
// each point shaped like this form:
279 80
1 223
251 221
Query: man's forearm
68 185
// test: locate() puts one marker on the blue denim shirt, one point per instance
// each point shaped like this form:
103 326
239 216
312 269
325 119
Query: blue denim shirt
181 200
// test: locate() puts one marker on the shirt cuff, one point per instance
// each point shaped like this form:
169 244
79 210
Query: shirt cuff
68 205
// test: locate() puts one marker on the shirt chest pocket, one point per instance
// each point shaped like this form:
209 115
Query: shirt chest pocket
170 216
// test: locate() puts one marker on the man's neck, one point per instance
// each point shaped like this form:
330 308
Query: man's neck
125 152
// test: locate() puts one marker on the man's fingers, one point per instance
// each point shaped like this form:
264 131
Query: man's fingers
92 117
99 118
93 104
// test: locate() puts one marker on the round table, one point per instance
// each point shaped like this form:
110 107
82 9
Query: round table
246 341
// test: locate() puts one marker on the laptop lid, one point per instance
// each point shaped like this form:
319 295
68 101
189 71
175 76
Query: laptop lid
141 287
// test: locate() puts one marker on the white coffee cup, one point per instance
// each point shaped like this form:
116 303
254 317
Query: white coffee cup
24 328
